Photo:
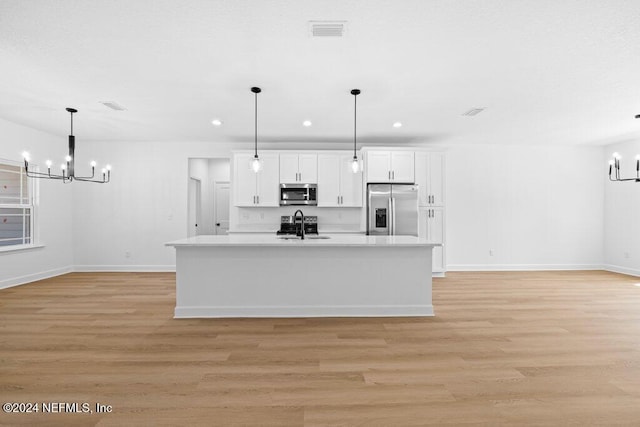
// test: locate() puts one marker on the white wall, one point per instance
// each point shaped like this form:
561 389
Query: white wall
143 207
622 212
536 207
54 210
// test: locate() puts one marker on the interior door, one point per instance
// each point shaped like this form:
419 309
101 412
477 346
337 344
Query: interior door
221 208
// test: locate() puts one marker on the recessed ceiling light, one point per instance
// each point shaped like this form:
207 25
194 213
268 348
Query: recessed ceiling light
397 125
306 123
216 122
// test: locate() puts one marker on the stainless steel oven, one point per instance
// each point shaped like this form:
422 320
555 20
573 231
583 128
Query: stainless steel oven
298 194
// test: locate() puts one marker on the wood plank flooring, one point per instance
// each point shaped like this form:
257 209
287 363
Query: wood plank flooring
508 348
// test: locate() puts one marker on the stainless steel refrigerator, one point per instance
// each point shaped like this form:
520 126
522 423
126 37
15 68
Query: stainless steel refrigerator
392 209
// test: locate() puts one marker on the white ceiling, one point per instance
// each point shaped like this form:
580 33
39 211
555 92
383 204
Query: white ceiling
547 71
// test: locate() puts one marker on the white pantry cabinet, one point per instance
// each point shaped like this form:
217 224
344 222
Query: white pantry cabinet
390 166
252 189
298 168
338 186
430 178
431 226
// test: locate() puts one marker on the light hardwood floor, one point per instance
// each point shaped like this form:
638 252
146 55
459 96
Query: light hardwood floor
509 348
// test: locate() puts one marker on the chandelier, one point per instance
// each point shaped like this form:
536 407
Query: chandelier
614 166
68 170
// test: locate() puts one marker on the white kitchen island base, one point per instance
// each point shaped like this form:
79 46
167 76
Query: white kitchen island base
251 276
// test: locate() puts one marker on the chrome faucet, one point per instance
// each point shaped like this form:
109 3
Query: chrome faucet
300 231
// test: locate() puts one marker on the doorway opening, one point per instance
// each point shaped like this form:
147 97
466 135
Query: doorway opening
208 202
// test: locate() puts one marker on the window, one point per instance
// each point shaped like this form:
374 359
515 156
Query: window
16 205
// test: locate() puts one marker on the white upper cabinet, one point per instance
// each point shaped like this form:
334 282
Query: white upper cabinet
430 178
298 168
390 166
252 189
338 186
350 183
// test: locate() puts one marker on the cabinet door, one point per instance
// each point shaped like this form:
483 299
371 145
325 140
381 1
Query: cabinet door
436 178
402 166
244 181
268 185
431 227
422 177
436 226
328 180
436 235
378 166
289 168
350 183
308 168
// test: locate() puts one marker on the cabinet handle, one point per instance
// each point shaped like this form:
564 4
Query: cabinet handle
258 198
393 175
341 200
338 199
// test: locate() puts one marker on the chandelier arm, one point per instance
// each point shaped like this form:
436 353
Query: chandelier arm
84 178
97 181
43 176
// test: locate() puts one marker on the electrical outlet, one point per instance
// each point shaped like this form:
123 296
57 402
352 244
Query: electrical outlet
490 252
127 254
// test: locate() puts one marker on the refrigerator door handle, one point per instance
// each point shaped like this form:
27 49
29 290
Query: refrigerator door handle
393 216
390 217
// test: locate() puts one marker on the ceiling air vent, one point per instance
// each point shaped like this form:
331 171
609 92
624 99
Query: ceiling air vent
327 28
473 112
113 105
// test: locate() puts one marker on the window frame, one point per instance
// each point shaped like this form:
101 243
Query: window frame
30 205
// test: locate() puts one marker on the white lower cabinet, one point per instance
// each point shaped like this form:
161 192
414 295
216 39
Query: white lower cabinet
431 227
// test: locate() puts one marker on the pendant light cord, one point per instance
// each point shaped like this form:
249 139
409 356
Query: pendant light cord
355 118
256 126
71 123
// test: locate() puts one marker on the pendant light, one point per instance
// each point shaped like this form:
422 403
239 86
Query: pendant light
614 165
256 163
355 164
68 169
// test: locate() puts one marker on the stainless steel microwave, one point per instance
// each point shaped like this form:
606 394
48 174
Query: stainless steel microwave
298 194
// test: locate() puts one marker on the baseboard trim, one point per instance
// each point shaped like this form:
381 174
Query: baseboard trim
125 268
34 277
622 270
522 267
186 312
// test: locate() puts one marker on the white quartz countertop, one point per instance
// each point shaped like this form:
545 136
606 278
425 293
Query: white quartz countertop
272 240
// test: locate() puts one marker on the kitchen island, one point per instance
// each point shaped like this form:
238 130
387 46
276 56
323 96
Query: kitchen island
260 275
